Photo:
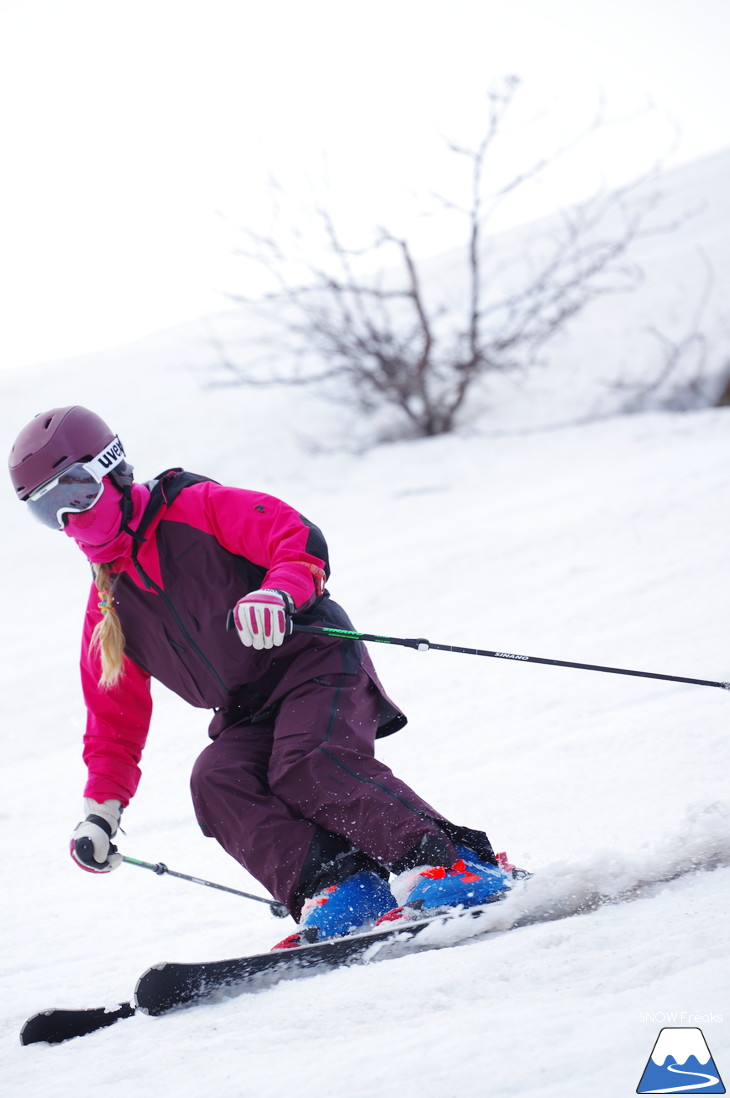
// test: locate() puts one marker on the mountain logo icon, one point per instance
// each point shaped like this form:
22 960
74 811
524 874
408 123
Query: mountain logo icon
680 1063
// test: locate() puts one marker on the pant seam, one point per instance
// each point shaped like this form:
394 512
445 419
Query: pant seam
371 781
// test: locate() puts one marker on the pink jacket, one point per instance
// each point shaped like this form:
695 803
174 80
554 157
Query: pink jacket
205 546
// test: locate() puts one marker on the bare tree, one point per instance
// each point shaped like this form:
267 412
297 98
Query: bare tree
370 325
723 397
682 380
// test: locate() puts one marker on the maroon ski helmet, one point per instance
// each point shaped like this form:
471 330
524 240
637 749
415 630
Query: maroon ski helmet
53 441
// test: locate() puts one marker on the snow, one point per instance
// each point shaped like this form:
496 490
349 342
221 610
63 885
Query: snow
603 542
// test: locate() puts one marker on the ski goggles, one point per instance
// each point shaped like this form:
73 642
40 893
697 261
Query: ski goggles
76 489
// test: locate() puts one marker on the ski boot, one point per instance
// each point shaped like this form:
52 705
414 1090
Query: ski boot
353 905
469 882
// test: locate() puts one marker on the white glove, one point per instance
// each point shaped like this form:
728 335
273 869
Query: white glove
91 845
261 618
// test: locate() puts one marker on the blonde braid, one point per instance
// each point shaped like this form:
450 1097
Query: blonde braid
108 637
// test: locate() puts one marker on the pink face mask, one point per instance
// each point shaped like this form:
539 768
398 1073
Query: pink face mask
97 531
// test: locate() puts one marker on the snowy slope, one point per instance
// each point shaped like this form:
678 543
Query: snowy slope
604 543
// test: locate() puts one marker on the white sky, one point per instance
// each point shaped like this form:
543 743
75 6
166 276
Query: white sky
127 127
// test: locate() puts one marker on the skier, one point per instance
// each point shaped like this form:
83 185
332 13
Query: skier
289 784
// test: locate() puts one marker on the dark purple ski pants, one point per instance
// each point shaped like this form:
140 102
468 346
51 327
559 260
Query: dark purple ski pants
266 790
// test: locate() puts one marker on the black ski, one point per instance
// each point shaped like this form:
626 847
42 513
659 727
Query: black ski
172 984
54 1026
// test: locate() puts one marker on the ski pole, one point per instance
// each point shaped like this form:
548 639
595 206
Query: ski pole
278 909
423 645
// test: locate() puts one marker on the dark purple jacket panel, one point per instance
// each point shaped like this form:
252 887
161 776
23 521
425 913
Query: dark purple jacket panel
175 625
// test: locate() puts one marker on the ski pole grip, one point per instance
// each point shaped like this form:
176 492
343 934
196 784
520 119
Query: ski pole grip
231 623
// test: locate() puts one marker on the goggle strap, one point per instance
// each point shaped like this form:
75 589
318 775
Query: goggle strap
111 456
